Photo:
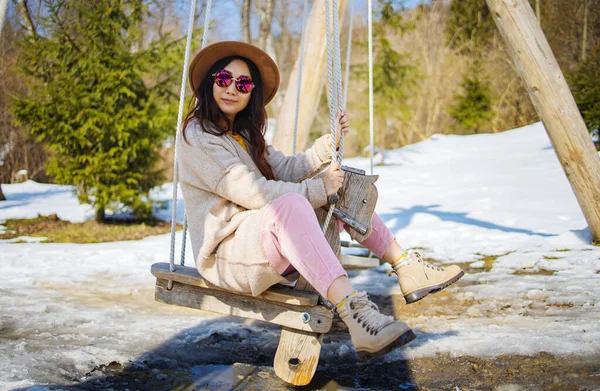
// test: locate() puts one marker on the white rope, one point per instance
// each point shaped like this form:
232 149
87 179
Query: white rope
206 23
337 73
186 62
370 33
183 240
348 52
335 87
330 86
3 12
304 18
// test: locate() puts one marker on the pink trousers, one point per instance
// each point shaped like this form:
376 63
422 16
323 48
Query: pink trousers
293 241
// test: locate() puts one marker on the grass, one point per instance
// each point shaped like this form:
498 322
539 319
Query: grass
488 260
60 231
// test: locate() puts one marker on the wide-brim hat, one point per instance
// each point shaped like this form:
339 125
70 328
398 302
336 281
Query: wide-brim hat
206 57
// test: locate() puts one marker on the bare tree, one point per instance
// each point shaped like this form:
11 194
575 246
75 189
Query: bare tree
265 9
24 10
18 149
246 7
585 28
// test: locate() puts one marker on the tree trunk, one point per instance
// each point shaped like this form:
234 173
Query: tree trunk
585 28
100 214
26 15
246 5
538 12
265 14
3 11
2 197
313 79
553 102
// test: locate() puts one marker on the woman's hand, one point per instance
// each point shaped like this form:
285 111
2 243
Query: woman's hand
342 126
333 178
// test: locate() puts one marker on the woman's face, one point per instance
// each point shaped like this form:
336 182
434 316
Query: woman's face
229 99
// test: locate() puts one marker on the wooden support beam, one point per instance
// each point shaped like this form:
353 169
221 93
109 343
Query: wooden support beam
294 317
353 262
313 80
298 353
553 102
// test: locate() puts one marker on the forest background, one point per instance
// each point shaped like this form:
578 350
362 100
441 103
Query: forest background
89 91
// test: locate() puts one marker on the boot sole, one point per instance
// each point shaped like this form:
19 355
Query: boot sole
421 293
405 338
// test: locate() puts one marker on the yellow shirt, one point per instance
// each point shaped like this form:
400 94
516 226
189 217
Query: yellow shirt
240 140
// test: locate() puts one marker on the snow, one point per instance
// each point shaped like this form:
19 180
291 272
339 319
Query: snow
458 199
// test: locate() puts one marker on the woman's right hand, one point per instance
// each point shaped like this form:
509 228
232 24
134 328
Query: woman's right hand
333 178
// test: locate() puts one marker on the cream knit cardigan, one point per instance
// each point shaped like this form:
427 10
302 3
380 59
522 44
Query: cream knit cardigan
225 194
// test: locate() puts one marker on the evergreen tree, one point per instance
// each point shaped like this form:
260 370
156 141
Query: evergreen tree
469 29
470 26
586 90
100 100
473 109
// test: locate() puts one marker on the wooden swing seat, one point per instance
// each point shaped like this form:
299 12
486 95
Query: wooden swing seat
279 304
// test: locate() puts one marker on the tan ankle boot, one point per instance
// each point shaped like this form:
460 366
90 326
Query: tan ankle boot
373 334
418 278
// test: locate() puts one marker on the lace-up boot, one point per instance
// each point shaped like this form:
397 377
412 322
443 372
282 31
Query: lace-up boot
373 334
418 278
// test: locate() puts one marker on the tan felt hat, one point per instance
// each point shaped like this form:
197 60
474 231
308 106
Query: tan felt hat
206 57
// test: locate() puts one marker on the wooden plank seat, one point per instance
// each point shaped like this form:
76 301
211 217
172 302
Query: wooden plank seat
280 304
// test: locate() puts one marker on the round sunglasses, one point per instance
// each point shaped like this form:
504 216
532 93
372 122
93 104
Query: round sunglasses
224 78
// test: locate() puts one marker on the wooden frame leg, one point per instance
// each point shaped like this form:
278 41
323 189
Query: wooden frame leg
298 352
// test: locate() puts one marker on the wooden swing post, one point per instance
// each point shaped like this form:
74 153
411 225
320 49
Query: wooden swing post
553 102
313 81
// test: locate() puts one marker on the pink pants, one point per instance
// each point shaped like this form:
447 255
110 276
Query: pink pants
293 241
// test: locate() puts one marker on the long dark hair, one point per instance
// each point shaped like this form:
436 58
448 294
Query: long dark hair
250 123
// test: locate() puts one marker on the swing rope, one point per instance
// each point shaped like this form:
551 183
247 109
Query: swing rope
186 61
304 18
348 52
334 77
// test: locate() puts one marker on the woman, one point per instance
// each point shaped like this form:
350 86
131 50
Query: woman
250 209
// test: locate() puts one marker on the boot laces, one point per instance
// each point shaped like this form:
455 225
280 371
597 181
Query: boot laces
427 264
367 314
419 258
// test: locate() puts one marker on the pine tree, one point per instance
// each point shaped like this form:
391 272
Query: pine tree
586 90
469 29
99 102
473 109
470 26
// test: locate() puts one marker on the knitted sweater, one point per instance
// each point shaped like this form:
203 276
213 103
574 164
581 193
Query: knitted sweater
224 193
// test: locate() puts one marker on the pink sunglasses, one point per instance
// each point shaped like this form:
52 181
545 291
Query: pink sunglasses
224 78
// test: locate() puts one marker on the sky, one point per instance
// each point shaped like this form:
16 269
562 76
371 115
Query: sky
229 15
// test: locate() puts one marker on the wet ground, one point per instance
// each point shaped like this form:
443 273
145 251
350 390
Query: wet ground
241 358
238 355
504 373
